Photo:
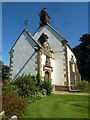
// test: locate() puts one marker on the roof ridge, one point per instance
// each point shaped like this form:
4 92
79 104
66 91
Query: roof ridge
51 28
56 31
32 37
25 30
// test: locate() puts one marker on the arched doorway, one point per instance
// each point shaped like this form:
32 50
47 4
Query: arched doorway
47 74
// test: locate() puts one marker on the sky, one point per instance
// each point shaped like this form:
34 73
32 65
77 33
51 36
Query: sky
70 19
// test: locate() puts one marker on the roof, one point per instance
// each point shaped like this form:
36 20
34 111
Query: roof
32 38
25 30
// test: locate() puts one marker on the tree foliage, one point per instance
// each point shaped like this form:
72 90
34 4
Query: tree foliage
4 71
82 53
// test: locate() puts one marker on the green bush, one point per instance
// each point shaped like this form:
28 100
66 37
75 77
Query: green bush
44 92
46 84
38 95
26 84
32 87
10 87
84 86
7 81
38 79
13 104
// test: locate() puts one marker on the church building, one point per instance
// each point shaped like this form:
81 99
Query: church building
46 52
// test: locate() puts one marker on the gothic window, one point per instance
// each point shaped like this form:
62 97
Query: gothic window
72 64
72 71
73 67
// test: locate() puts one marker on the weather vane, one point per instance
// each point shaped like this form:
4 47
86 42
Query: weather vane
25 22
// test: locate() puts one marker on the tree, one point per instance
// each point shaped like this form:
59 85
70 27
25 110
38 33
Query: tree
4 71
82 53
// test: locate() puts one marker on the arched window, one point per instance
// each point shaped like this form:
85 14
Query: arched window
72 64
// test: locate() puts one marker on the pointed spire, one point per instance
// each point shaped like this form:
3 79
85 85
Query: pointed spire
44 17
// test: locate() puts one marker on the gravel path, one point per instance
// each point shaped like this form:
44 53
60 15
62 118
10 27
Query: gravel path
70 93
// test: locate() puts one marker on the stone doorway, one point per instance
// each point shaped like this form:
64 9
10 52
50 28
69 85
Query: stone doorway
47 74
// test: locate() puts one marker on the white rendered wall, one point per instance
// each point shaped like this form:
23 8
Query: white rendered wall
56 46
43 60
24 56
69 55
54 39
58 69
52 73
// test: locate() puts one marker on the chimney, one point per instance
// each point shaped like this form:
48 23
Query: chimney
44 17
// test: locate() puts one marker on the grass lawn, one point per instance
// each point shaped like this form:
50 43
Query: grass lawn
59 106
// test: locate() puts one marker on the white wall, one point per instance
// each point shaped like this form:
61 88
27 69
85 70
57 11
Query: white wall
43 60
52 73
58 64
55 45
24 56
54 38
69 55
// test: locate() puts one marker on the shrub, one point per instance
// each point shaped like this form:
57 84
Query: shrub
38 79
39 95
32 87
44 92
4 117
46 84
84 86
10 87
26 83
7 81
13 104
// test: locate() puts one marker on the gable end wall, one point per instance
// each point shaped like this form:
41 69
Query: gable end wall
54 41
23 57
